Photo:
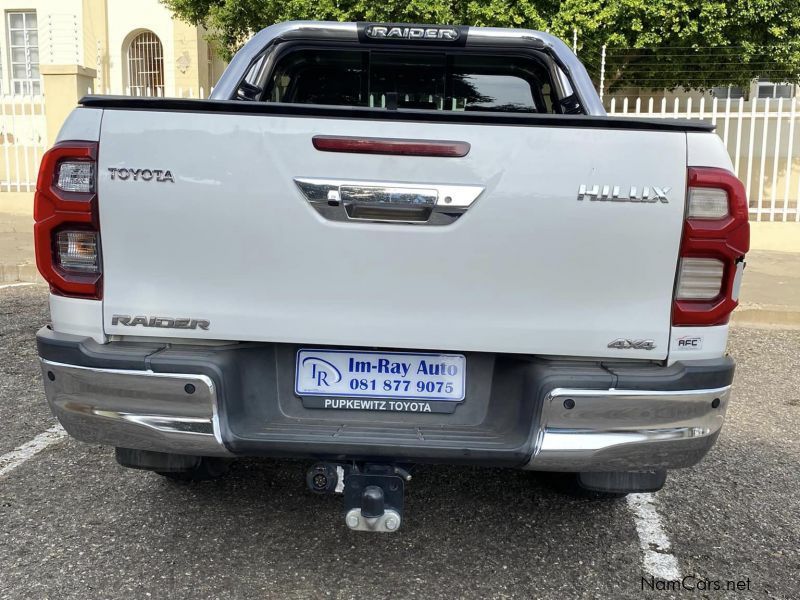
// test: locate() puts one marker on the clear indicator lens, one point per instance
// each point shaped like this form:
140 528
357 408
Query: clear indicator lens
76 176
77 251
700 279
707 203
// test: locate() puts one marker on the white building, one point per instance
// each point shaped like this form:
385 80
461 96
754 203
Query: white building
131 44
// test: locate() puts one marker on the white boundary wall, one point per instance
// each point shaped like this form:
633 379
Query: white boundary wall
760 136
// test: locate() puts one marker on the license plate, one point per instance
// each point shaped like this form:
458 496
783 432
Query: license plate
391 376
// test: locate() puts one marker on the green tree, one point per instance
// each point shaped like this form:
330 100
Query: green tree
653 44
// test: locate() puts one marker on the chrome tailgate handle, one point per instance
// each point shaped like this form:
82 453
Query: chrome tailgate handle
384 203
427 204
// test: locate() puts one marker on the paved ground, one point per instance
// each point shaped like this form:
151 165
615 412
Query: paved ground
75 525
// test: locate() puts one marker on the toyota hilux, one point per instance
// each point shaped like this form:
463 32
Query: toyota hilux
380 245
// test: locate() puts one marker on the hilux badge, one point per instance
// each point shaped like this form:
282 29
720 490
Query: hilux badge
619 193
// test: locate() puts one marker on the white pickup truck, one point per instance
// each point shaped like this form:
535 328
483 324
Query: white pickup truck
378 245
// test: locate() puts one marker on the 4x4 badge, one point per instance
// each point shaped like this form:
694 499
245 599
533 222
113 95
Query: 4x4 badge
622 344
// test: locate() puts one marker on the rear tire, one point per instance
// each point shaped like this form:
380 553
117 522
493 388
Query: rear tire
568 484
619 484
608 485
206 469
178 467
580 492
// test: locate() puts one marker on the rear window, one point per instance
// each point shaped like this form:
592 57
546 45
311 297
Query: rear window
424 80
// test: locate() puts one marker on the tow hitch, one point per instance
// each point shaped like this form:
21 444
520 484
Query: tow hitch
373 493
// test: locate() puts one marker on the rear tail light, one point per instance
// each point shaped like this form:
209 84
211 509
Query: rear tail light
67 227
77 251
707 203
700 278
75 176
716 236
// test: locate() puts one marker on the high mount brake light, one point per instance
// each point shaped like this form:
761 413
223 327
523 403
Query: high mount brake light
399 147
716 236
67 228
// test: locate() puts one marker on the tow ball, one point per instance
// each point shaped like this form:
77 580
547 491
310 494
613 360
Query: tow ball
373 493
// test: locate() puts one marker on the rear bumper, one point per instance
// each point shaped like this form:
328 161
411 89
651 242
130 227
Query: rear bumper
135 409
519 412
627 430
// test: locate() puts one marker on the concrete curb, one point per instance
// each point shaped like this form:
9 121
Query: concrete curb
25 273
776 316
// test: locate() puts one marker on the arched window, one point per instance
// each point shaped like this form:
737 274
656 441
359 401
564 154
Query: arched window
146 65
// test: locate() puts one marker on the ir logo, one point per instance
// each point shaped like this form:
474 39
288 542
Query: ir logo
322 372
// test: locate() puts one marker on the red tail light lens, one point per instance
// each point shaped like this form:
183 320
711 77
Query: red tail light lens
67 228
716 236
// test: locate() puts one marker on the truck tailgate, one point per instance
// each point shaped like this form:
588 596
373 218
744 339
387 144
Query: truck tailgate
528 268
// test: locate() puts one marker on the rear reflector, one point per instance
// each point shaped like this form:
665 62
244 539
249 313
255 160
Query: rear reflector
716 236
398 147
699 278
77 251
